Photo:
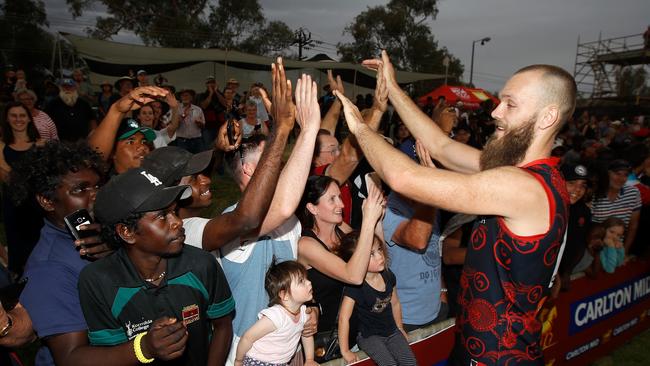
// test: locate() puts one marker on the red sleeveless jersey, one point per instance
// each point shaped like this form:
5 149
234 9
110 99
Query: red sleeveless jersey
505 281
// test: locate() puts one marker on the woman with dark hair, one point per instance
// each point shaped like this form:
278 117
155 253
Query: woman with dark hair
22 222
147 118
616 199
321 216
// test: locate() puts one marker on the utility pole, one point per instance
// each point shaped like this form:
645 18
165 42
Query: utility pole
303 40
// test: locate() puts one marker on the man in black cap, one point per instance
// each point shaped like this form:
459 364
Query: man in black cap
155 298
577 182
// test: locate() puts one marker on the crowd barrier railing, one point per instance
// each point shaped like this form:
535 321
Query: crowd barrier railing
596 316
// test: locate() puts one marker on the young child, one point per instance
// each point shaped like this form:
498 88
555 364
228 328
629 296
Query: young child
273 339
613 253
381 334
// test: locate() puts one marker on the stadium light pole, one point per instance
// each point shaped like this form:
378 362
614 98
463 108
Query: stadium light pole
471 68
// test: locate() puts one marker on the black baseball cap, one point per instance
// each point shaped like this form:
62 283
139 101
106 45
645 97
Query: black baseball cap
171 163
129 127
574 172
136 190
619 164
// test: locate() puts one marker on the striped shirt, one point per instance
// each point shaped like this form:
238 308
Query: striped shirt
627 202
45 126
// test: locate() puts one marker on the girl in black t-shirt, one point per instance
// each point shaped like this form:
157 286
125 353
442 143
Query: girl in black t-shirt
381 334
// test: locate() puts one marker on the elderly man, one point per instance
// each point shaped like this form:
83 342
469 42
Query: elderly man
72 115
188 135
514 187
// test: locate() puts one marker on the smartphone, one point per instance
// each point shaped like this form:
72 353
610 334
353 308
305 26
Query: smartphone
10 294
75 220
230 129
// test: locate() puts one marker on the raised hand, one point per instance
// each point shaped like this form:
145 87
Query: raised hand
170 99
139 97
165 339
335 84
352 115
283 109
381 92
223 142
373 207
307 108
388 71
423 155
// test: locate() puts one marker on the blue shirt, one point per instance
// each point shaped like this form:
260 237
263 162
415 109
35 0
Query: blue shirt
50 296
245 265
418 274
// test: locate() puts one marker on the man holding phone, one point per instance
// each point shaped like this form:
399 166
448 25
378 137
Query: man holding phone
64 178
155 298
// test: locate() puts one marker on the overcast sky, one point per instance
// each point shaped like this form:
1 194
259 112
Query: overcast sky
523 32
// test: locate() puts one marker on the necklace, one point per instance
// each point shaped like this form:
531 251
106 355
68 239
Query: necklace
160 276
291 312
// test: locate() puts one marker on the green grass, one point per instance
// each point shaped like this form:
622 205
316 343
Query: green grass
633 353
224 193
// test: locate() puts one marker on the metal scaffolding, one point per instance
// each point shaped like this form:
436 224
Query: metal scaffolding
598 64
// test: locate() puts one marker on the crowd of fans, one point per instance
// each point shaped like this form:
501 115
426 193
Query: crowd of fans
310 244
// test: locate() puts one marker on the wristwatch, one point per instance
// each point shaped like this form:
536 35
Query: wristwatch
5 330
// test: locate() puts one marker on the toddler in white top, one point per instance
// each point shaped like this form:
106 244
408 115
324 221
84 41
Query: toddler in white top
273 339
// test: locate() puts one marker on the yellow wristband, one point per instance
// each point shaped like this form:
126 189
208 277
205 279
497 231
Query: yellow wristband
137 348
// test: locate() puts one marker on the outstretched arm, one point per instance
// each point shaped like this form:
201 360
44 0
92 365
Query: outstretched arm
345 164
256 199
176 119
507 191
331 118
453 155
294 175
103 137
311 253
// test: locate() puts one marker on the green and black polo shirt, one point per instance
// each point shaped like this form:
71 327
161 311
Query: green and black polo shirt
118 304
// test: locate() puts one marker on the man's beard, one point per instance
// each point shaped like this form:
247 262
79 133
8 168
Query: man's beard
69 98
510 149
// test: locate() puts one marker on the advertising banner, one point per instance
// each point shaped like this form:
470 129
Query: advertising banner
596 316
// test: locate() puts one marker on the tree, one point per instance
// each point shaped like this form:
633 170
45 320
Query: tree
401 29
24 41
236 25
